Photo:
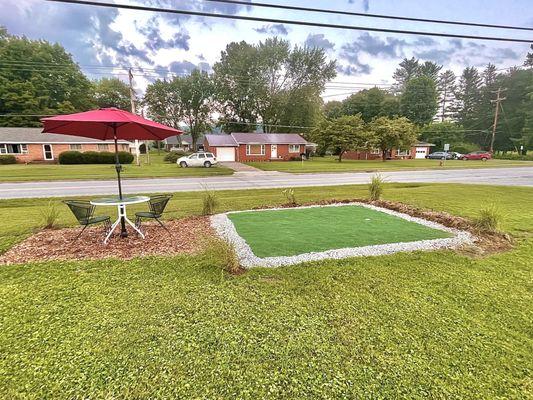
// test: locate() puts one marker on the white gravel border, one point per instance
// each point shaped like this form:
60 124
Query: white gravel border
226 230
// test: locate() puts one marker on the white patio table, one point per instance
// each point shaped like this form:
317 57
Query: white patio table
122 217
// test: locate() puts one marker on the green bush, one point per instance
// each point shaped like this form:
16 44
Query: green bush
375 188
290 196
464 148
210 202
50 215
489 219
94 157
514 156
7 159
171 157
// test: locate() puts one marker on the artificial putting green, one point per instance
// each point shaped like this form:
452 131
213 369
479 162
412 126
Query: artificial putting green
294 231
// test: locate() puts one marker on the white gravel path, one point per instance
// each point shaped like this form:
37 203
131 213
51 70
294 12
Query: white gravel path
225 229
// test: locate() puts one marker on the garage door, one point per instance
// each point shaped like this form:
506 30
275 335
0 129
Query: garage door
421 152
225 154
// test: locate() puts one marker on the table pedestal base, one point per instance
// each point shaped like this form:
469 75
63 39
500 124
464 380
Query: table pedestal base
122 220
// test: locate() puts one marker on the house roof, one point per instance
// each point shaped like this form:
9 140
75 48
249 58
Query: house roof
221 140
187 139
423 144
268 138
35 135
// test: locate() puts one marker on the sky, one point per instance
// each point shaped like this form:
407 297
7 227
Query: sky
158 44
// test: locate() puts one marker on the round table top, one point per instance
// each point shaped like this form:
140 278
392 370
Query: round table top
115 201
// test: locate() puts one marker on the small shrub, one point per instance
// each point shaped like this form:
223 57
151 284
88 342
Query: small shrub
299 158
290 196
514 156
210 202
94 157
223 254
125 157
7 159
171 157
489 219
49 215
71 157
375 189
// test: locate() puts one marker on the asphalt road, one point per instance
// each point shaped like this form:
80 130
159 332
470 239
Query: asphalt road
520 176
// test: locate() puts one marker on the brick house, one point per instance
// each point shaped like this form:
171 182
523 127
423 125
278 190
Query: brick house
417 150
244 147
31 145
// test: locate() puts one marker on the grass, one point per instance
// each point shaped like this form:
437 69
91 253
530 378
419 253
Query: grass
330 164
415 325
53 172
296 231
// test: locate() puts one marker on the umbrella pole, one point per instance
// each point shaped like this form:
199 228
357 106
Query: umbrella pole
118 168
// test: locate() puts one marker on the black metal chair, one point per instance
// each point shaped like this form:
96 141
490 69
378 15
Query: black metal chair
84 213
157 207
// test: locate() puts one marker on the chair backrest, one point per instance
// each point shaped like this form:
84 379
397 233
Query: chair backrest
158 203
82 210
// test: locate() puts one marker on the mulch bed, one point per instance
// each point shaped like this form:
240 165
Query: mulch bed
187 236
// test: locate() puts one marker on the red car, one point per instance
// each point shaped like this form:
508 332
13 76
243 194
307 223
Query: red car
478 155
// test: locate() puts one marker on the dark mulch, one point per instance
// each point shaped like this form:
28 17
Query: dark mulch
187 236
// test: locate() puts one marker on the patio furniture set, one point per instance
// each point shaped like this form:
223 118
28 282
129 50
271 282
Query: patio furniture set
84 212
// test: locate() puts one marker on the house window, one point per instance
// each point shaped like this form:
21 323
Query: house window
375 151
255 149
76 147
125 147
294 148
403 152
103 147
13 148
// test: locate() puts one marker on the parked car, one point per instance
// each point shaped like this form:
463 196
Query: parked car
440 155
478 155
456 155
200 159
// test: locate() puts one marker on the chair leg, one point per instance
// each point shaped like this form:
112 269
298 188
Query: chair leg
79 234
138 221
164 227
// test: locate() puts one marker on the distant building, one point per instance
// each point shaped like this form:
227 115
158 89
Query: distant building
183 143
417 150
255 146
31 145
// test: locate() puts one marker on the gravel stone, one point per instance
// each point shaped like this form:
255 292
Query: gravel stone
226 230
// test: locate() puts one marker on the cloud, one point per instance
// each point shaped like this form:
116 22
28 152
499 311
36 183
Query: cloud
357 68
154 40
373 45
275 29
320 41
185 67
440 56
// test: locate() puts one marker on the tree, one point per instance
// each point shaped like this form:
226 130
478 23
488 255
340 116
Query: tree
343 134
333 109
391 133
38 77
441 133
446 88
371 103
270 83
431 70
187 100
112 92
419 100
408 69
469 98
528 63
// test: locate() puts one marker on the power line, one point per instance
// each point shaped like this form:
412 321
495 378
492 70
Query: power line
381 16
286 21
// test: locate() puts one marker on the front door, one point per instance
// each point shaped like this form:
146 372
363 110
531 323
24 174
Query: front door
47 152
273 151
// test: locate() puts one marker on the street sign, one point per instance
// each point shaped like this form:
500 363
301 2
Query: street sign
446 147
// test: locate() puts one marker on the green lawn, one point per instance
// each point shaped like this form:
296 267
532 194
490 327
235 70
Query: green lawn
52 172
330 164
414 325
291 232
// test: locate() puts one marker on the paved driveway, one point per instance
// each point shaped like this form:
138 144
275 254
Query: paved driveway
520 176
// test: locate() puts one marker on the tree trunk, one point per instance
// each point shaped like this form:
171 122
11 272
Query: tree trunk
340 155
384 155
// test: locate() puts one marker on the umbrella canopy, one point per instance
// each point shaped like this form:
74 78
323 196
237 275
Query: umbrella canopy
108 124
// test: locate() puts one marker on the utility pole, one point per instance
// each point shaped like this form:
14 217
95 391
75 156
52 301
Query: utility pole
132 100
496 114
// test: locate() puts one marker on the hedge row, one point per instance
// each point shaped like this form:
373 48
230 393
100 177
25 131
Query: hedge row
7 159
94 157
514 156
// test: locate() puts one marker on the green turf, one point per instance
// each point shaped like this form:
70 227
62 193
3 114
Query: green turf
330 164
52 172
422 325
297 231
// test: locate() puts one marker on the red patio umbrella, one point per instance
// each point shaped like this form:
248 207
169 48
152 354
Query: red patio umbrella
108 124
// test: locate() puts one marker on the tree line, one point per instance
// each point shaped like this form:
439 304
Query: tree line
277 87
